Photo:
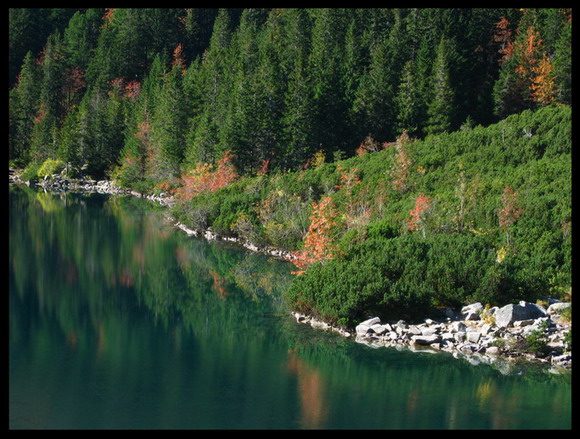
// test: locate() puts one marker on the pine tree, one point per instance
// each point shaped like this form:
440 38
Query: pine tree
442 107
562 64
197 23
298 120
169 126
408 101
327 81
24 104
81 37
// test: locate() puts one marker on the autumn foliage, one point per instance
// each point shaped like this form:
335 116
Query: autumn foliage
206 178
543 84
418 213
318 244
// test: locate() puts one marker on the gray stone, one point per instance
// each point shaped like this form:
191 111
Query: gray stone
414 330
471 315
511 313
557 308
426 340
371 321
362 329
471 310
378 329
473 336
522 323
428 331
460 336
458 327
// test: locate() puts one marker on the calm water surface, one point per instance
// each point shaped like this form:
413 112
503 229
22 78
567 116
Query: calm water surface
119 321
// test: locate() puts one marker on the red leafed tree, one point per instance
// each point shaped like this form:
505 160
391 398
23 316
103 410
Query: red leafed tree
132 90
318 244
419 213
74 81
509 213
178 58
206 178
503 37
108 16
264 167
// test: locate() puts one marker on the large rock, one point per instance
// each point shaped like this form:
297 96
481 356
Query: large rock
472 311
511 313
558 307
426 340
363 327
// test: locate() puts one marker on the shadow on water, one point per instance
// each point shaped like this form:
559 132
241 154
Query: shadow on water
117 320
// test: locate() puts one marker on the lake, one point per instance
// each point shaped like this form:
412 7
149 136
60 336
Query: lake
118 320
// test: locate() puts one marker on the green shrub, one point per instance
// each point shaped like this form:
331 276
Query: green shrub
31 171
50 167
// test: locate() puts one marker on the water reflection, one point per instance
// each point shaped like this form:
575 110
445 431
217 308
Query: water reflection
118 321
314 408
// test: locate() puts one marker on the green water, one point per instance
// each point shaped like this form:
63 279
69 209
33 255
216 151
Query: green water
119 321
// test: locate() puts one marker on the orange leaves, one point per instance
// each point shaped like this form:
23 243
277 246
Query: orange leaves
206 178
318 245
503 37
218 285
368 145
418 213
124 89
178 58
108 16
543 84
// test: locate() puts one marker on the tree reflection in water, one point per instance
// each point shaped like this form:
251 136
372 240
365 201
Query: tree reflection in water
314 408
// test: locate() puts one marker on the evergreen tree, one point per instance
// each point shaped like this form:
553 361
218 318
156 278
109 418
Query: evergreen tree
563 64
442 108
327 81
216 83
81 37
169 127
409 101
197 23
24 105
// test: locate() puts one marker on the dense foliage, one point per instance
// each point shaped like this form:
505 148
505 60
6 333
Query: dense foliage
484 214
408 158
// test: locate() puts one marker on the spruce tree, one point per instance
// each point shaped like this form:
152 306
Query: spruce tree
169 127
408 101
327 81
563 64
442 107
24 105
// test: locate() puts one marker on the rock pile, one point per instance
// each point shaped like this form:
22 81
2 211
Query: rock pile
515 330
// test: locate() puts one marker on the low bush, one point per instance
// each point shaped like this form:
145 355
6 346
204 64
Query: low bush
50 167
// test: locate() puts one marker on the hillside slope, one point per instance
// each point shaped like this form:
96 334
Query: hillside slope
479 214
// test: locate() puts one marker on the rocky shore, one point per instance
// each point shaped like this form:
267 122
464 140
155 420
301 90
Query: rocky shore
60 183
515 331
523 330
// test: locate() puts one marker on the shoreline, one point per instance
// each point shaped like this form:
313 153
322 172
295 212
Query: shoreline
471 333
